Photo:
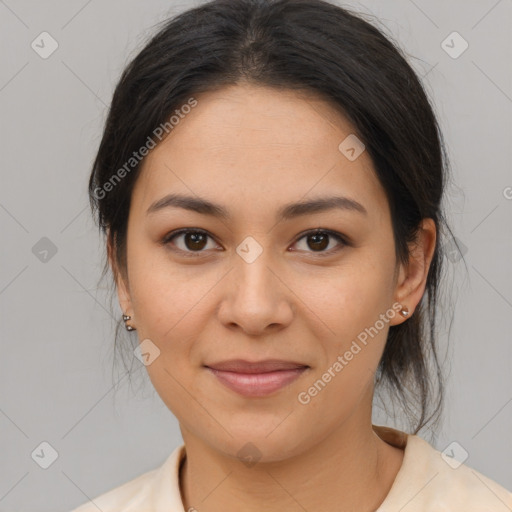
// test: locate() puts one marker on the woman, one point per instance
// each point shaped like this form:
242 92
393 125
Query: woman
269 182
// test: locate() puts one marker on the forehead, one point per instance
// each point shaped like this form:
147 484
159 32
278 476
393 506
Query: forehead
258 146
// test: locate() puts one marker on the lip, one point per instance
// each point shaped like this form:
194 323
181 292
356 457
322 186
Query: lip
256 379
264 366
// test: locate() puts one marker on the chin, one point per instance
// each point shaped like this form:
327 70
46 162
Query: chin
258 445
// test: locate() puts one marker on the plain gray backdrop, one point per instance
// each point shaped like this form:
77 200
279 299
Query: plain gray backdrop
57 384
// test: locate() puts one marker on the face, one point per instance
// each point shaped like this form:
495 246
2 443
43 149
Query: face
253 284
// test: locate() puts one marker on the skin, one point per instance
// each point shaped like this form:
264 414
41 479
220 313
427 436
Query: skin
252 150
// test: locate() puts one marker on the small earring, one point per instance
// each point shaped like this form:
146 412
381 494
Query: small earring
125 319
404 312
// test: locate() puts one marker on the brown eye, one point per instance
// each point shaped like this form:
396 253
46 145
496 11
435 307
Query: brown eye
318 241
188 240
195 241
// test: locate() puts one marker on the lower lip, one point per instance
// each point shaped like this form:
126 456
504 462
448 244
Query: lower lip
257 384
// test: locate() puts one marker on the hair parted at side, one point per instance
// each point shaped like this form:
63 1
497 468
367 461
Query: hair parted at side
317 47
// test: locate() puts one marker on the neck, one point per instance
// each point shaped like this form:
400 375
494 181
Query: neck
352 469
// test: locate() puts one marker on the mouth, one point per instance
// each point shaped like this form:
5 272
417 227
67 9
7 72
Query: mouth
256 379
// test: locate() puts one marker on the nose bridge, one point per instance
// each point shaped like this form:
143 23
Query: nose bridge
252 262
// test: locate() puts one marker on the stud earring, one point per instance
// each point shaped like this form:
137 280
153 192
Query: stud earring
404 312
125 319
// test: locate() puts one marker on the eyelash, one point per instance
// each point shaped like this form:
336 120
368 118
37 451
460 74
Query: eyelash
195 254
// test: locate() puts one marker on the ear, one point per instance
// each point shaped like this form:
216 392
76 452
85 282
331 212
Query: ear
412 278
121 280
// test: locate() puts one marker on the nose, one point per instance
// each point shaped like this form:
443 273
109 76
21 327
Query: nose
256 298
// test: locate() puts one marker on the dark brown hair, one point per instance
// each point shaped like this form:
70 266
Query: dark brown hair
307 45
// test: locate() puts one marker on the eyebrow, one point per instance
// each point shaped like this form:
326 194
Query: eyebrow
287 212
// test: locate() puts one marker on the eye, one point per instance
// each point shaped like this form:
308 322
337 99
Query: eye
319 239
192 240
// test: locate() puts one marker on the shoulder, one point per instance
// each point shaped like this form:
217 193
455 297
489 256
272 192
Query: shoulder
433 481
159 485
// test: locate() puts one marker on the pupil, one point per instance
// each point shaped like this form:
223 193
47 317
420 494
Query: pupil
322 238
195 238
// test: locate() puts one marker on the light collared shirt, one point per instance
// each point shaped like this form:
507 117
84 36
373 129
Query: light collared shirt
427 481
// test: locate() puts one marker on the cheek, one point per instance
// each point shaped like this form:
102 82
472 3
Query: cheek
171 379
356 307
169 306
339 386
350 297
166 295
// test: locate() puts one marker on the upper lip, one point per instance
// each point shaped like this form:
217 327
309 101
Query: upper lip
265 366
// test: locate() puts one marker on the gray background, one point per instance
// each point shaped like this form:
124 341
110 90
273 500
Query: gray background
57 383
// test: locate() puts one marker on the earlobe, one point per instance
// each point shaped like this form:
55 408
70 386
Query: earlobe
404 312
128 327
